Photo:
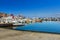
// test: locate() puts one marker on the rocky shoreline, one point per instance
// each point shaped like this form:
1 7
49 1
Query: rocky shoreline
7 34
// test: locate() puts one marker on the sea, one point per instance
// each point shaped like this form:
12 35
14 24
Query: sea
45 26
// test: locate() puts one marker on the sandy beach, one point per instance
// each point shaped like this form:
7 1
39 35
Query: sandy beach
7 34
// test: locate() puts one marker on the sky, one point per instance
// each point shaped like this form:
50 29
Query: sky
31 8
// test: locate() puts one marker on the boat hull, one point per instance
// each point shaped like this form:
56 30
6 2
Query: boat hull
6 25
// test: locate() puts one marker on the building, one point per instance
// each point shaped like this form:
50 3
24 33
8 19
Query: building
3 15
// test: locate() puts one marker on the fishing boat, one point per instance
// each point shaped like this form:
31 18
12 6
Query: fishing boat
18 23
5 24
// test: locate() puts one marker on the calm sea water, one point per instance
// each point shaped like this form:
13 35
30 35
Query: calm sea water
49 26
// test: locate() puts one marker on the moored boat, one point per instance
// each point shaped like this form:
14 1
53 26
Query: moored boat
5 24
18 23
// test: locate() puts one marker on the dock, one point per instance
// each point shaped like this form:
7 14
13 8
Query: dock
8 34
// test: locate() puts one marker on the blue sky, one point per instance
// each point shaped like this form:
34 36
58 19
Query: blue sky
31 8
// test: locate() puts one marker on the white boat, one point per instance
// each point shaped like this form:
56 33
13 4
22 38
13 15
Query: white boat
18 23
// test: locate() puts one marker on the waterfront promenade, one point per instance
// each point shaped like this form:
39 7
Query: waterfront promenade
7 34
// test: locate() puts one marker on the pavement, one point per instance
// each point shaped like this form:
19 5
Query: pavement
8 34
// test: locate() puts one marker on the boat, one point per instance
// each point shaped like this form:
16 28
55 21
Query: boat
5 24
18 23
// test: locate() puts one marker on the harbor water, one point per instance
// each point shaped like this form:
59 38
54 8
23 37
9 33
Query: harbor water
49 26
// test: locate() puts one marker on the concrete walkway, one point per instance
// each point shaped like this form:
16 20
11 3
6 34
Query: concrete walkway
7 34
